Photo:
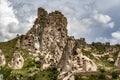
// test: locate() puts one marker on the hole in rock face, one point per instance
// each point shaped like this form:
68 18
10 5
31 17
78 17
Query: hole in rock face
47 22
35 48
26 37
83 58
59 29
51 60
20 60
17 62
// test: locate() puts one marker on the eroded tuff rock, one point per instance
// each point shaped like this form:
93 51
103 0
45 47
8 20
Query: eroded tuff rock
76 64
17 61
2 58
48 38
117 62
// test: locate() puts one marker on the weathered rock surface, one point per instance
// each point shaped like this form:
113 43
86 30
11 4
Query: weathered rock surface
117 62
76 64
17 61
2 58
48 38
47 42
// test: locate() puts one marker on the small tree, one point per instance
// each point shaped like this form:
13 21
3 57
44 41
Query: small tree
101 69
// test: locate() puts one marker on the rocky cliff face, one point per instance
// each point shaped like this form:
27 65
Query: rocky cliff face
47 42
48 38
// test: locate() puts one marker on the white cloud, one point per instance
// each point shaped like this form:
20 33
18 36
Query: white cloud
107 4
17 16
111 24
116 35
6 13
7 17
103 19
78 27
102 39
114 40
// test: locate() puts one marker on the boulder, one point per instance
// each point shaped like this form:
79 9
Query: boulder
17 61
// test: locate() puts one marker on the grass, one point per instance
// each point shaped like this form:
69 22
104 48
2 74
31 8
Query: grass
8 48
89 55
99 48
49 74
108 65
30 65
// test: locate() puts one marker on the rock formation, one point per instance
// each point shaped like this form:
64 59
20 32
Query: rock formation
76 64
47 42
48 38
2 58
88 64
17 61
18 44
117 62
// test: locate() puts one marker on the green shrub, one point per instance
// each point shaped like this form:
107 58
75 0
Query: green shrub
93 77
115 75
101 69
78 78
102 77
6 71
49 74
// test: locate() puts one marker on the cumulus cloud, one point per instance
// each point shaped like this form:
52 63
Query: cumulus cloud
115 38
111 40
102 39
103 19
10 24
26 12
116 35
7 17
17 16
77 27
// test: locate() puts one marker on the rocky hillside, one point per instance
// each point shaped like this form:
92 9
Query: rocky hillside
46 52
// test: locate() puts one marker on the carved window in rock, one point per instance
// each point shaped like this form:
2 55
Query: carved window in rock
29 44
18 62
36 49
51 60
26 37
47 38
13 59
47 22
78 58
59 29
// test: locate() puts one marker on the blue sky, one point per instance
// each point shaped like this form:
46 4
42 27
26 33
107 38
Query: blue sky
96 20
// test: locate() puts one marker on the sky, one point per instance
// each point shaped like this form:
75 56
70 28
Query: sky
95 20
